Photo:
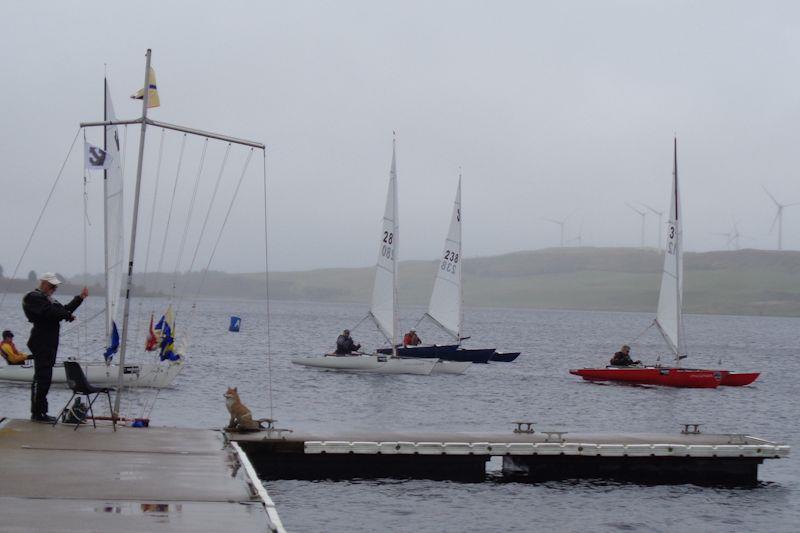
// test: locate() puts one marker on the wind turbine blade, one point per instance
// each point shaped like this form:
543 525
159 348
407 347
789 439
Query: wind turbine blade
659 213
770 195
790 205
774 220
636 210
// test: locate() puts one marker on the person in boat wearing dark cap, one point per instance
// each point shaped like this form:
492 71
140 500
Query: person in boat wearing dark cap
623 357
46 315
411 338
345 345
10 352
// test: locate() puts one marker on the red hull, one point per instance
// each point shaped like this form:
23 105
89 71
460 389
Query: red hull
664 376
737 379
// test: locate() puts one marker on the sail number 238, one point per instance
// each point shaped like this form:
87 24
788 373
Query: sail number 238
449 261
386 244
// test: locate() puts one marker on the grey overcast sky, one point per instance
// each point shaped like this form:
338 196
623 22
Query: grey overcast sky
552 109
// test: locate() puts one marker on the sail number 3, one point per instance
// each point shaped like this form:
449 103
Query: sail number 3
449 261
671 240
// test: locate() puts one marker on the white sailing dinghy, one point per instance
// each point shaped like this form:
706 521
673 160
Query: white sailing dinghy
104 373
384 309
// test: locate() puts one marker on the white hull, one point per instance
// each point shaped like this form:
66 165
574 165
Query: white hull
451 367
157 375
369 363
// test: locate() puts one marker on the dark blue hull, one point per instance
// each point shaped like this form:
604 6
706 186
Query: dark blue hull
447 352
505 357
425 351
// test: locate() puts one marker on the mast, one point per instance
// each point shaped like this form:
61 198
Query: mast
395 226
460 277
105 205
132 250
678 255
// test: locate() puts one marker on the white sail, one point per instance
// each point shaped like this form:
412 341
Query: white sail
384 292
112 209
668 317
445 304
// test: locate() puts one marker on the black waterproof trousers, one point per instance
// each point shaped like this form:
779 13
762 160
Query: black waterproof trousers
42 376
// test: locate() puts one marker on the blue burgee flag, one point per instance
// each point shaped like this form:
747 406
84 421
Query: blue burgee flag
236 323
112 349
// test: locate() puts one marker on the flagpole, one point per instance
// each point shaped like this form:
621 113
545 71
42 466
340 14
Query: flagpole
129 284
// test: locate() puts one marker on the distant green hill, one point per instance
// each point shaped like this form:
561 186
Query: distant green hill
743 282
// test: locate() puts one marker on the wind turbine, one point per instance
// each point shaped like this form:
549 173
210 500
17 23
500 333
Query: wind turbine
560 223
778 217
660 221
578 238
641 214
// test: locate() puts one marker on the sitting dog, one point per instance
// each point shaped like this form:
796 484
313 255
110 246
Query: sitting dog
241 417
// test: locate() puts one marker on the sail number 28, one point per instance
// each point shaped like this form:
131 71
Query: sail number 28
449 261
386 246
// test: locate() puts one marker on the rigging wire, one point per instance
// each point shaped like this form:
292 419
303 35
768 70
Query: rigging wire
208 214
171 205
211 257
188 219
266 283
150 231
39 218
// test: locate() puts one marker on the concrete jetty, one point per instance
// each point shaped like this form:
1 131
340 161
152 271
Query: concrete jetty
134 479
687 456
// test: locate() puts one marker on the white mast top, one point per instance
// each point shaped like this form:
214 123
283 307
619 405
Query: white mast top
668 317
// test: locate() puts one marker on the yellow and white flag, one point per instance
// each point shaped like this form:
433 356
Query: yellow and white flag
152 97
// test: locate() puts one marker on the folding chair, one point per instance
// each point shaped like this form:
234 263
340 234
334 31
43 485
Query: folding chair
76 380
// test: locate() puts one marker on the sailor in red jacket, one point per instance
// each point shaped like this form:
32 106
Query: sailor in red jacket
411 338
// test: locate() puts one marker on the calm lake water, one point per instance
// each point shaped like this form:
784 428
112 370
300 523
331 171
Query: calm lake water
536 387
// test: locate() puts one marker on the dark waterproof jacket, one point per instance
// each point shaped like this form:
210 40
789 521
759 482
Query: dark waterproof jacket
346 345
46 315
621 359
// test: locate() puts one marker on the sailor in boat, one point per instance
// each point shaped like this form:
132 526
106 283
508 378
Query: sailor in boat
46 315
10 352
345 345
623 357
411 338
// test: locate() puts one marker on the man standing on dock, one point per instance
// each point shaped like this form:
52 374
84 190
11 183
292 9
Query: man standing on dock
46 315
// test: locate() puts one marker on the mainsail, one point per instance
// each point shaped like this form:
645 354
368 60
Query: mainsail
113 217
384 292
445 304
668 317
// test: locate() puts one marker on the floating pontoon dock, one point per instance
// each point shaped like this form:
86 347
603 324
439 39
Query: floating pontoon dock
687 456
134 479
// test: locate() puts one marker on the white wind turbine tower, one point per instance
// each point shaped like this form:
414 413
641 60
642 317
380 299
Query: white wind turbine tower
660 222
778 217
642 214
560 223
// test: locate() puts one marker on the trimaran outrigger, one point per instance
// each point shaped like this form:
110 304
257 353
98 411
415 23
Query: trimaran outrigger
669 321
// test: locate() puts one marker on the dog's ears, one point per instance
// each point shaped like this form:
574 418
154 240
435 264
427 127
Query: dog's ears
236 389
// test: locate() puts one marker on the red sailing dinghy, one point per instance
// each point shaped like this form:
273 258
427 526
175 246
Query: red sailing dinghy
670 322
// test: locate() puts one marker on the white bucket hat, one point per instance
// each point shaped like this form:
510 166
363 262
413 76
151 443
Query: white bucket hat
50 278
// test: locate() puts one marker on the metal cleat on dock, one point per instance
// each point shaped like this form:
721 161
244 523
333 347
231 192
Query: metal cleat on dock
691 429
528 426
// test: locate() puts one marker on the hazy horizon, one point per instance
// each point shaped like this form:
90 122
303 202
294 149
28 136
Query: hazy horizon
550 111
